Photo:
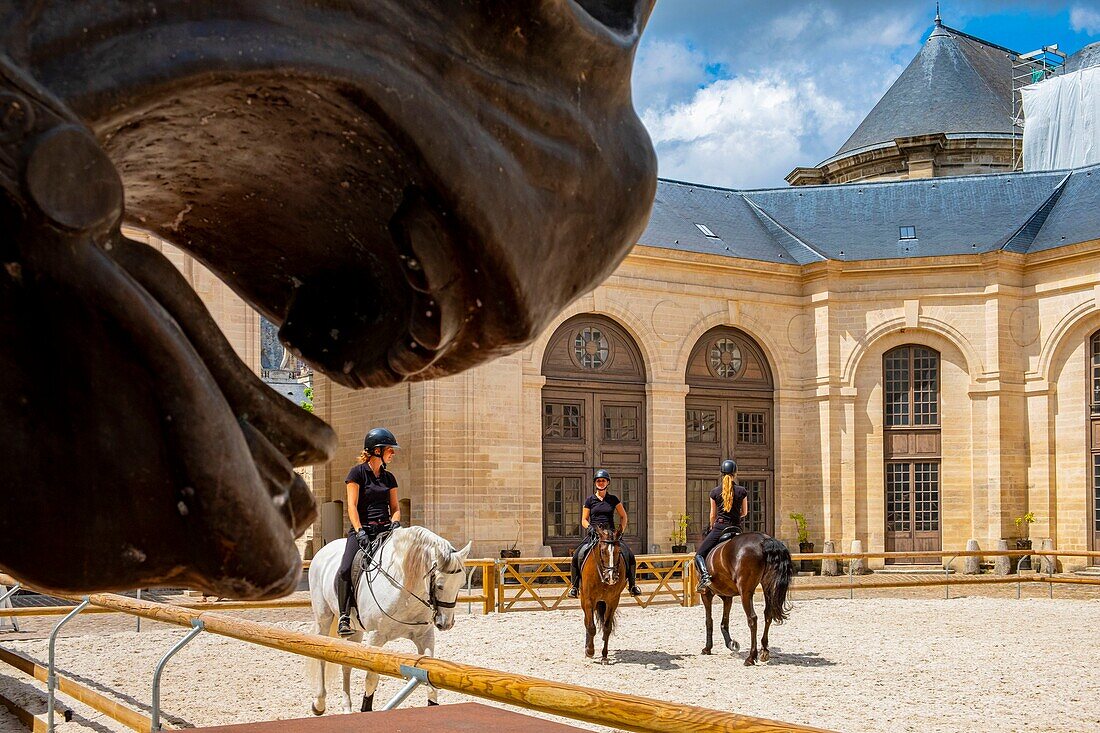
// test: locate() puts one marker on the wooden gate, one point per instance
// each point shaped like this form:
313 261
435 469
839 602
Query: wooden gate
593 416
729 410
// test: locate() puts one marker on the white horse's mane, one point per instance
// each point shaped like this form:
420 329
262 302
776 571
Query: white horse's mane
418 549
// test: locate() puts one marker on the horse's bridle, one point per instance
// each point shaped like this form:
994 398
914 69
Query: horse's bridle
605 572
433 603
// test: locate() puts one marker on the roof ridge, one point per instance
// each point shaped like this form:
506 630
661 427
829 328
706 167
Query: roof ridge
769 219
1020 241
982 41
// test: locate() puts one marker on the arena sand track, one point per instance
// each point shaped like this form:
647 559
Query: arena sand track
969 664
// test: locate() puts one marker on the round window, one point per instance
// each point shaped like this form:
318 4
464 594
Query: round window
725 358
590 348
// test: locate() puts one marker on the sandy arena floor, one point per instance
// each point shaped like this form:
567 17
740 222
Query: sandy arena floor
969 664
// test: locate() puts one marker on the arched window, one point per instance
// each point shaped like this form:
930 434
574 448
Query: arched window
911 435
729 415
593 416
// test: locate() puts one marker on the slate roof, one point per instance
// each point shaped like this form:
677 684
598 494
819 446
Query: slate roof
1019 212
1084 58
956 84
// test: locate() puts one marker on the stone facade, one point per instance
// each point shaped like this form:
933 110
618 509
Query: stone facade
1011 330
923 156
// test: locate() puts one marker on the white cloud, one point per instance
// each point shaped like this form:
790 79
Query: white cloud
666 72
1084 20
746 131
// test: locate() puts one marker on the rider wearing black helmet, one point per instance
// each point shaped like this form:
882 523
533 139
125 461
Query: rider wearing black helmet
600 510
372 509
729 504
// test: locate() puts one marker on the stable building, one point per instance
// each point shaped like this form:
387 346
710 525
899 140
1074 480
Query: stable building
910 358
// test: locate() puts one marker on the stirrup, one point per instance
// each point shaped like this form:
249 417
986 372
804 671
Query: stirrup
344 629
572 592
635 590
704 583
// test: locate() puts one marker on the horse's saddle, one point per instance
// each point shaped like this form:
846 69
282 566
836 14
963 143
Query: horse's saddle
729 534
363 560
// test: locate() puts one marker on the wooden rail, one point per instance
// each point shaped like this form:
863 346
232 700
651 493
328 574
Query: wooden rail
75 690
626 712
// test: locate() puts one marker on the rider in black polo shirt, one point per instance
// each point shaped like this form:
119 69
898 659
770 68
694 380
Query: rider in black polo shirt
372 509
729 504
600 510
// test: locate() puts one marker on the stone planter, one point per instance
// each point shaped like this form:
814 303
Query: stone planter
679 549
505 554
806 566
1025 562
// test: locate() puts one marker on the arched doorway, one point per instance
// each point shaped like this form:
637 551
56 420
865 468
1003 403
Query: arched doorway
593 416
911 449
1094 441
729 411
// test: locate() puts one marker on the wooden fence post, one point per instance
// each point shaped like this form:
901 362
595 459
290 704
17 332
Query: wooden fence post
489 587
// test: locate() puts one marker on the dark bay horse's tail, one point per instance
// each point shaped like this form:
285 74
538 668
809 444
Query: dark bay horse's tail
778 569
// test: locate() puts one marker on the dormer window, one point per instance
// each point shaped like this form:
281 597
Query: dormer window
907 232
706 230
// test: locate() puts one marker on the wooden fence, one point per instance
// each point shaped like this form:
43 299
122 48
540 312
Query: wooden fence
602 707
541 583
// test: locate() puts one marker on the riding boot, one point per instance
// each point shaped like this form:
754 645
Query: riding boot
704 575
574 574
343 594
632 577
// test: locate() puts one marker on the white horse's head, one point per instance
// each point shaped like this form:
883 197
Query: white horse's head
447 582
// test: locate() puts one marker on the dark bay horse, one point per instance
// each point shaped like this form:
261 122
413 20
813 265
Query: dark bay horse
736 567
603 577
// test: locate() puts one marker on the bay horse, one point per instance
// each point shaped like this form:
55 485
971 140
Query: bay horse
407 591
603 578
736 567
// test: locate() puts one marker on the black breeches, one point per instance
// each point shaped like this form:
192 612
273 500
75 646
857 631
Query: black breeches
711 540
350 548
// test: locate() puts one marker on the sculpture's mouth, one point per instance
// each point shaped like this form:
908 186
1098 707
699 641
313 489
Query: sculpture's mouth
403 205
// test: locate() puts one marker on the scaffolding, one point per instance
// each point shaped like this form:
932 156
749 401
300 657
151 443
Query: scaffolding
1029 68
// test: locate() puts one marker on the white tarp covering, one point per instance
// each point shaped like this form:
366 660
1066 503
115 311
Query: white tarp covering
1062 121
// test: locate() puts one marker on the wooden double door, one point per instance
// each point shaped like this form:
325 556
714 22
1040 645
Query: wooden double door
738 427
585 430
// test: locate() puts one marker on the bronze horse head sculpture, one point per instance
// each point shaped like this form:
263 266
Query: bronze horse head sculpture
408 188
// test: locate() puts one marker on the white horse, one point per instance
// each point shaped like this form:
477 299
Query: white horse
406 592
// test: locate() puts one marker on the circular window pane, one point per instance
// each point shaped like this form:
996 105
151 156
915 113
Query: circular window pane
725 358
590 348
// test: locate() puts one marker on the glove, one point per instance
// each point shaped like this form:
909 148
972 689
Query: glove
395 525
362 538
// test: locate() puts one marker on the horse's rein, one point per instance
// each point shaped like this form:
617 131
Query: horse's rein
433 604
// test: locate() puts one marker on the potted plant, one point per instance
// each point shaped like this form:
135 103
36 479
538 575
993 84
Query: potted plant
678 538
804 544
1024 543
511 551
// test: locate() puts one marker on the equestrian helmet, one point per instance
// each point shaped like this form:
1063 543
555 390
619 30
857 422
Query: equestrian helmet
601 474
379 438
729 467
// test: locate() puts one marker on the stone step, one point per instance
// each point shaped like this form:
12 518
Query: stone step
913 570
1092 571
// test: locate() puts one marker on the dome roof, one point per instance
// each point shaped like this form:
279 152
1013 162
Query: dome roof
956 84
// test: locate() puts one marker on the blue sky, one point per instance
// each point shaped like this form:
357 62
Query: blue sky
738 93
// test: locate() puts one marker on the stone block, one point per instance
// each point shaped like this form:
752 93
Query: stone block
830 567
972 565
859 565
1002 565
1048 565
